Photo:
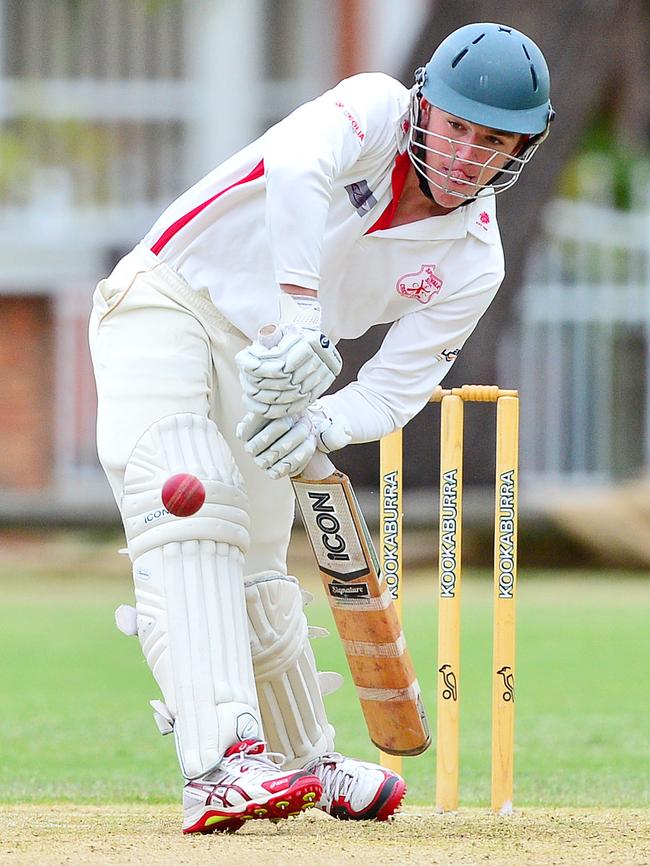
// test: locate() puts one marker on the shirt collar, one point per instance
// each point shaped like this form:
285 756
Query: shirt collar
477 218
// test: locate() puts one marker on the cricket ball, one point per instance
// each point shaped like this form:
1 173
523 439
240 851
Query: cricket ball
183 494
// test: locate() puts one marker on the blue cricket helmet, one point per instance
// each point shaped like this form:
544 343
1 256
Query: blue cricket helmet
492 75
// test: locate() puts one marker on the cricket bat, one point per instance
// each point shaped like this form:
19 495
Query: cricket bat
363 609
361 603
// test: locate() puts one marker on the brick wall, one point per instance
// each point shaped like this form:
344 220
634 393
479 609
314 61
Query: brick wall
26 389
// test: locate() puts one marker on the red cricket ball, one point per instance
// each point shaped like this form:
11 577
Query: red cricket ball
183 494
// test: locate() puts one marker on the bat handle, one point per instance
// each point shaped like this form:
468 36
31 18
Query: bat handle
269 336
320 466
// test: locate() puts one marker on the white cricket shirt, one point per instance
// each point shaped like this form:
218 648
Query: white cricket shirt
310 203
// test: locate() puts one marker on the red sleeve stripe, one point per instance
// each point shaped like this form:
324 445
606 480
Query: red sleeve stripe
181 222
397 181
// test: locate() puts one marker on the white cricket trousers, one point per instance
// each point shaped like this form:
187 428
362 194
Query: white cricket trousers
160 347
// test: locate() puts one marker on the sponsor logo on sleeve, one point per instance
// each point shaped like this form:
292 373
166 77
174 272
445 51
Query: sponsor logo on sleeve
354 123
421 285
361 197
448 355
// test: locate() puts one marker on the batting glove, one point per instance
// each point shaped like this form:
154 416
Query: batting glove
284 446
286 378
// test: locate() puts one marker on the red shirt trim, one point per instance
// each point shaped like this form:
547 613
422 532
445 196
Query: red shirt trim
181 222
397 181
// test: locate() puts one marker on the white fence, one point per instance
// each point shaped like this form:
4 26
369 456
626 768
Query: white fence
582 343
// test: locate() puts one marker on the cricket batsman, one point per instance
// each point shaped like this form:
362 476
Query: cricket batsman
370 204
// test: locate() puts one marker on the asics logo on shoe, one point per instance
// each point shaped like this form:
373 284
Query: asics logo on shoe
247 727
276 785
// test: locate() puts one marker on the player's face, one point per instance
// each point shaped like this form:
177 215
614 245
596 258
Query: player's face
462 157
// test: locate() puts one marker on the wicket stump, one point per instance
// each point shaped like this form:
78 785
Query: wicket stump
449 582
390 535
505 571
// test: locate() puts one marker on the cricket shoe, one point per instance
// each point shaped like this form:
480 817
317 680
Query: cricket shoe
246 785
357 791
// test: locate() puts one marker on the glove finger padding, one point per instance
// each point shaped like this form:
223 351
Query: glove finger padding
319 380
259 433
275 410
266 361
251 385
313 347
251 364
279 447
284 379
269 396
290 464
284 446
289 454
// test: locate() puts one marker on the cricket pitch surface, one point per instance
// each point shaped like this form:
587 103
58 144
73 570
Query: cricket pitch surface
106 835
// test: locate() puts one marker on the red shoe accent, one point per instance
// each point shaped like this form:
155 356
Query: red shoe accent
303 793
253 747
385 803
393 802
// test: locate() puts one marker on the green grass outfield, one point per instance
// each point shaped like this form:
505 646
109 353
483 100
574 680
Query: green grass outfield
76 726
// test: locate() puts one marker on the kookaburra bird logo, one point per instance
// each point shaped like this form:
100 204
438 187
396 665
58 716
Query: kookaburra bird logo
450 685
508 681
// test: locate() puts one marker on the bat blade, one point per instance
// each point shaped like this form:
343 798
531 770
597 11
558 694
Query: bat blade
364 613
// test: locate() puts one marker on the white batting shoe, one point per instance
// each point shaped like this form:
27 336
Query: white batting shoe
246 785
355 790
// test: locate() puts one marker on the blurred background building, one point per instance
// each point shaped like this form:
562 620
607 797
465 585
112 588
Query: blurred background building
110 108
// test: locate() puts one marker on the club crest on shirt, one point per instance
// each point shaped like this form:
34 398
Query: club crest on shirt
421 285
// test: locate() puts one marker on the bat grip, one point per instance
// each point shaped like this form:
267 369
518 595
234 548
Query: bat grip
269 336
319 467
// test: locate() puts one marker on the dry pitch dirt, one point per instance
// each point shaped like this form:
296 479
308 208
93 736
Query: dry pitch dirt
107 835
